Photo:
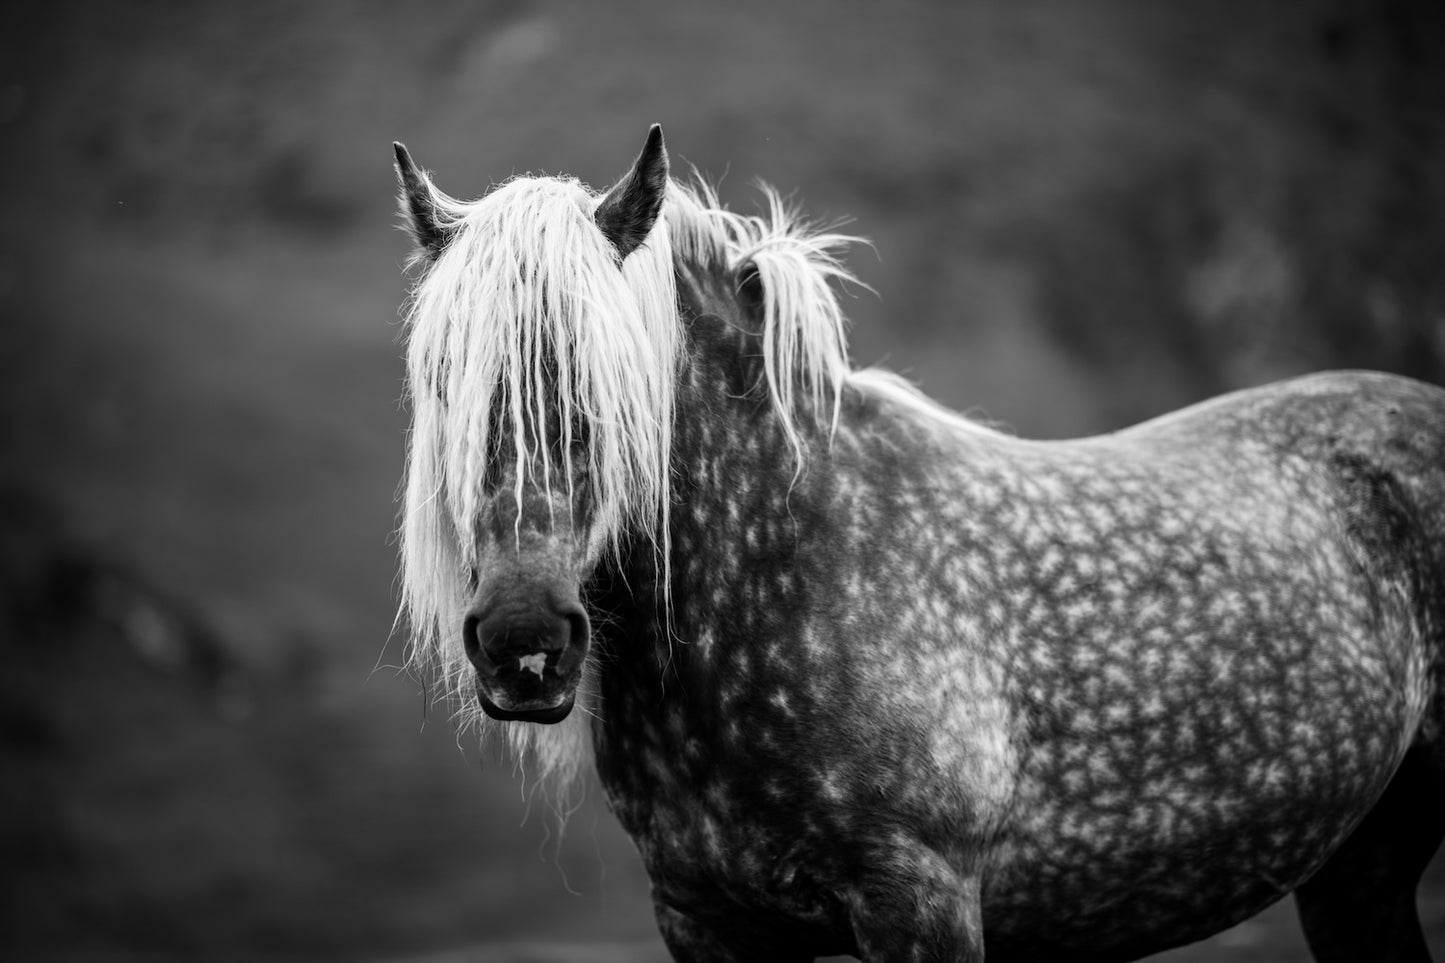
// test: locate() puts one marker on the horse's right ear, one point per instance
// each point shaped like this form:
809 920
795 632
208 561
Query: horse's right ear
629 210
419 206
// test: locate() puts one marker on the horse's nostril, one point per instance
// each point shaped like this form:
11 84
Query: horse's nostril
498 640
577 626
471 637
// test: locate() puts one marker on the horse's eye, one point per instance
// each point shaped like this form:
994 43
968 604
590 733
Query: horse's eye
750 285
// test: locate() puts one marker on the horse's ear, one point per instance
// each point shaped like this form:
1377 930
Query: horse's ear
629 210
419 206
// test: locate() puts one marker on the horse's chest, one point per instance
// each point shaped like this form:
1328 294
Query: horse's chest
715 839
770 794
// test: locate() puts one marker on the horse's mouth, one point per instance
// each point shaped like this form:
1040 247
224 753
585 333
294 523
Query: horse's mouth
539 687
529 711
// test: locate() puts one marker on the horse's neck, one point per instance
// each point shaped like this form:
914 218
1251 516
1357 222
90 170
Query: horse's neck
670 656
734 495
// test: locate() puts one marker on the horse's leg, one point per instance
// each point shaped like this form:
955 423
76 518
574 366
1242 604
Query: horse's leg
691 940
922 912
1361 903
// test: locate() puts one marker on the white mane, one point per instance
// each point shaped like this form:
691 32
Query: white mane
805 344
528 286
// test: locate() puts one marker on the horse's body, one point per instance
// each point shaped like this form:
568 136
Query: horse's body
902 686
1148 681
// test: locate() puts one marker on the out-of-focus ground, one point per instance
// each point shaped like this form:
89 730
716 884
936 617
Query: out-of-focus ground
1084 214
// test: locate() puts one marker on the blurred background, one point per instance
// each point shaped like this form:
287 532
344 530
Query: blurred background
1085 213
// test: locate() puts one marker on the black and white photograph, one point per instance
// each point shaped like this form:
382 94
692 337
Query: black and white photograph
565 481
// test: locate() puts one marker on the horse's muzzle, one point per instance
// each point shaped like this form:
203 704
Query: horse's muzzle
528 653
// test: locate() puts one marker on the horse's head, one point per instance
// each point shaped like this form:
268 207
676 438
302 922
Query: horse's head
541 354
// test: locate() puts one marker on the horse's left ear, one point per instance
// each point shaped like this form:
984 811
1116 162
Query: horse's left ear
629 210
419 206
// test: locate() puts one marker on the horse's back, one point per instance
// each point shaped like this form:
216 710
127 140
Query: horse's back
1394 421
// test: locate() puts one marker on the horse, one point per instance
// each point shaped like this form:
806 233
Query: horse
862 676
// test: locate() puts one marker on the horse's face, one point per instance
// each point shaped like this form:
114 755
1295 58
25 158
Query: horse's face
525 629
528 422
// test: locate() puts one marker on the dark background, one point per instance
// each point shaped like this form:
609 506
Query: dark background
1084 214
